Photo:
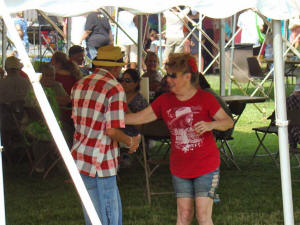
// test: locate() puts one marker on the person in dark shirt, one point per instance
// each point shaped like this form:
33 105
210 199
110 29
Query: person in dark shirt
97 33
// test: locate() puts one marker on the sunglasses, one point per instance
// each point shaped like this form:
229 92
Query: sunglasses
172 75
126 80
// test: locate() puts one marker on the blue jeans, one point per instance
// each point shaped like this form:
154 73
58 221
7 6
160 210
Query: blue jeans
105 196
91 52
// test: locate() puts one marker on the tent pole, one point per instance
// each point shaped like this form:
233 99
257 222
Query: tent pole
2 199
140 43
4 42
116 27
222 57
200 66
231 53
50 118
282 123
68 34
160 43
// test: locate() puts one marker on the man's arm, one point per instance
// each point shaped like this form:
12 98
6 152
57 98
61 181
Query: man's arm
19 29
111 40
119 136
145 116
85 34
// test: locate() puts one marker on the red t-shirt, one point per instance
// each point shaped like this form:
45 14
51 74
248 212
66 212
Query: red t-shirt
191 155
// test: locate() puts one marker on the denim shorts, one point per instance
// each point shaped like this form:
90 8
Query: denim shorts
203 186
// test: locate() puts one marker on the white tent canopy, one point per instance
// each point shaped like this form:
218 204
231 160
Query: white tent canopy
274 9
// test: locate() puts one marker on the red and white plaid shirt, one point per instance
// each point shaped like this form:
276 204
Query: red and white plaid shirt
99 103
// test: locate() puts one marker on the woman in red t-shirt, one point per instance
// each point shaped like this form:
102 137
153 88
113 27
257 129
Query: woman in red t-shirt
190 115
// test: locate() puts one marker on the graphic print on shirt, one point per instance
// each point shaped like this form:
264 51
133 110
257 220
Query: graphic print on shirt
180 123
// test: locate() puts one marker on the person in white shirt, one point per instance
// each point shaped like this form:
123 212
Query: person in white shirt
128 22
77 29
174 30
248 22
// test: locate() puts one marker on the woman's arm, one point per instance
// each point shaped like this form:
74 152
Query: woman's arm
221 122
145 116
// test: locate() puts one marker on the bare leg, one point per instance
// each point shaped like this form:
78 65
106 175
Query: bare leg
185 211
204 207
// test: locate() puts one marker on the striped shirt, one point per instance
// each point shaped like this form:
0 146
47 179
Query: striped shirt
99 103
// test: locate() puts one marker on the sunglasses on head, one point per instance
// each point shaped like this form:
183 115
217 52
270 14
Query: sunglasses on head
172 75
126 80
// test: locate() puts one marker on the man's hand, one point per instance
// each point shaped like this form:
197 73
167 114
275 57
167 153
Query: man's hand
135 144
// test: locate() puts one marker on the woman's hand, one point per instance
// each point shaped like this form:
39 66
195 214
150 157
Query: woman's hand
202 127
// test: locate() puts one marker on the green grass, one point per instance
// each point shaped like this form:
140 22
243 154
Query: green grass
251 196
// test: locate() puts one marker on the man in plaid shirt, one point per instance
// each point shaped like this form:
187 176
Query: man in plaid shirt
99 105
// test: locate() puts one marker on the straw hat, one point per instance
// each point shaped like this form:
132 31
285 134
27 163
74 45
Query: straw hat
109 55
13 62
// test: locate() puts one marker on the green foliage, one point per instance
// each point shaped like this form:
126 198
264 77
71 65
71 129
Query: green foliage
38 128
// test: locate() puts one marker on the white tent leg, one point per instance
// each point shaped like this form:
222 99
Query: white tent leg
68 34
140 44
116 27
231 53
4 43
50 118
160 56
222 57
2 200
281 120
200 46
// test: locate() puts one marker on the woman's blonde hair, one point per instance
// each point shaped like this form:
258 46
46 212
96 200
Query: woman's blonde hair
185 63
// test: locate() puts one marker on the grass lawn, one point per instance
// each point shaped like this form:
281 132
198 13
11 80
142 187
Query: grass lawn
251 196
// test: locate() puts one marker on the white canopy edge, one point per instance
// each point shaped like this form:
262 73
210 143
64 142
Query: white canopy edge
274 9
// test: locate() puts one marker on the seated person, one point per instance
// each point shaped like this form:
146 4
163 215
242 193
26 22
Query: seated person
43 147
13 87
76 54
152 73
62 98
48 80
36 127
293 103
130 81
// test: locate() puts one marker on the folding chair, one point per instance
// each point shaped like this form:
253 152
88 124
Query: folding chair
240 70
14 138
270 129
223 137
256 72
157 131
43 148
